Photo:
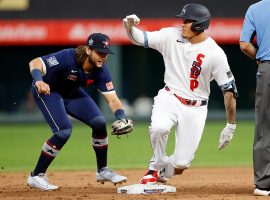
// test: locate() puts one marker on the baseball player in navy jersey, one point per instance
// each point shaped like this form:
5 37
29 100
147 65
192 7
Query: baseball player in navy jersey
57 90
192 60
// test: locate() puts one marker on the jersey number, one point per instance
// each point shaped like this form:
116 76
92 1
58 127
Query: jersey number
195 72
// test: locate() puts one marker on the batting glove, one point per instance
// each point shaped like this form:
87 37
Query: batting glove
130 21
226 135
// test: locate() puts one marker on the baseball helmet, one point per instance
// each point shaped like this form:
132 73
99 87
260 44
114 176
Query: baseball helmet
199 14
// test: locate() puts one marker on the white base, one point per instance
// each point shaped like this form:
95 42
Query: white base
146 189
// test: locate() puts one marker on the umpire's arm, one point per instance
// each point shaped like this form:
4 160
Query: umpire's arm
248 49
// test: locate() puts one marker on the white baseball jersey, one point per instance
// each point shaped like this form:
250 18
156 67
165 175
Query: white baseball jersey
189 68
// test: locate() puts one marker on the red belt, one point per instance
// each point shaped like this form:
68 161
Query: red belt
188 102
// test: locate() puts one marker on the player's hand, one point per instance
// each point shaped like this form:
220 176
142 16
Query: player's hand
226 135
42 87
130 21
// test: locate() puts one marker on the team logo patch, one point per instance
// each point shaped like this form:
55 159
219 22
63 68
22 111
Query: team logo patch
106 44
109 86
52 61
184 11
229 74
91 42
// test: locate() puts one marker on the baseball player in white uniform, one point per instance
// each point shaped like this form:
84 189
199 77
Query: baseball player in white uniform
192 60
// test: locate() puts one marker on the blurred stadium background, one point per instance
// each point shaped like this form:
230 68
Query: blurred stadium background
31 28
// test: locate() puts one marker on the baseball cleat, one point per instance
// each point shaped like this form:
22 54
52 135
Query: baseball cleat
41 182
107 174
150 177
162 177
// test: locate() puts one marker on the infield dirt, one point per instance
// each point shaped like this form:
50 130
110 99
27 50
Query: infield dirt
195 183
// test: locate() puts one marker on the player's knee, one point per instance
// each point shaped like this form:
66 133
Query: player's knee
182 164
157 131
64 133
98 124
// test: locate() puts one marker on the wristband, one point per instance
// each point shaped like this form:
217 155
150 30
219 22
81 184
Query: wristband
120 114
36 75
232 126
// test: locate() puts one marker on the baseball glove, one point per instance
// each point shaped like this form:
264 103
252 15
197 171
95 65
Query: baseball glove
122 126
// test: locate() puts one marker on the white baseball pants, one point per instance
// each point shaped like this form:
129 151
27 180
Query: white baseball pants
167 112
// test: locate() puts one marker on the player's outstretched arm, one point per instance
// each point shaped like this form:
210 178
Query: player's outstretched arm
113 101
228 132
123 124
135 35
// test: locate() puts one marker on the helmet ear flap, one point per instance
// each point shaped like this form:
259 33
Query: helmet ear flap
196 27
199 27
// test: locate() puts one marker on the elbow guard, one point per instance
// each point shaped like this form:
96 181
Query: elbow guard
231 86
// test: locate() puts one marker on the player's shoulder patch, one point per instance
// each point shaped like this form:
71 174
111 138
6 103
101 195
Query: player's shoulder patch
229 74
52 61
109 85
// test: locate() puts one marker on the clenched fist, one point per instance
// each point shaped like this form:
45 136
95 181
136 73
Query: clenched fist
42 87
130 21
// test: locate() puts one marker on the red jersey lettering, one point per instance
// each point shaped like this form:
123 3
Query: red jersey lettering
193 84
195 71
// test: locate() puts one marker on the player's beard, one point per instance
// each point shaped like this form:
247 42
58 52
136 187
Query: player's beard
92 62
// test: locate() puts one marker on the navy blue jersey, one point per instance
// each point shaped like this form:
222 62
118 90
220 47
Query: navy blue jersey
64 75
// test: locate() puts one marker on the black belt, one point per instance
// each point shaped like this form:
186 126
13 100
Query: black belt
263 61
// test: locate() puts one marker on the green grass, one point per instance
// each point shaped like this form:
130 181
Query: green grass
237 153
20 146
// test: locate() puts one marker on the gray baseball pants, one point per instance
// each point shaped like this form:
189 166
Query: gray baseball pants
261 146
